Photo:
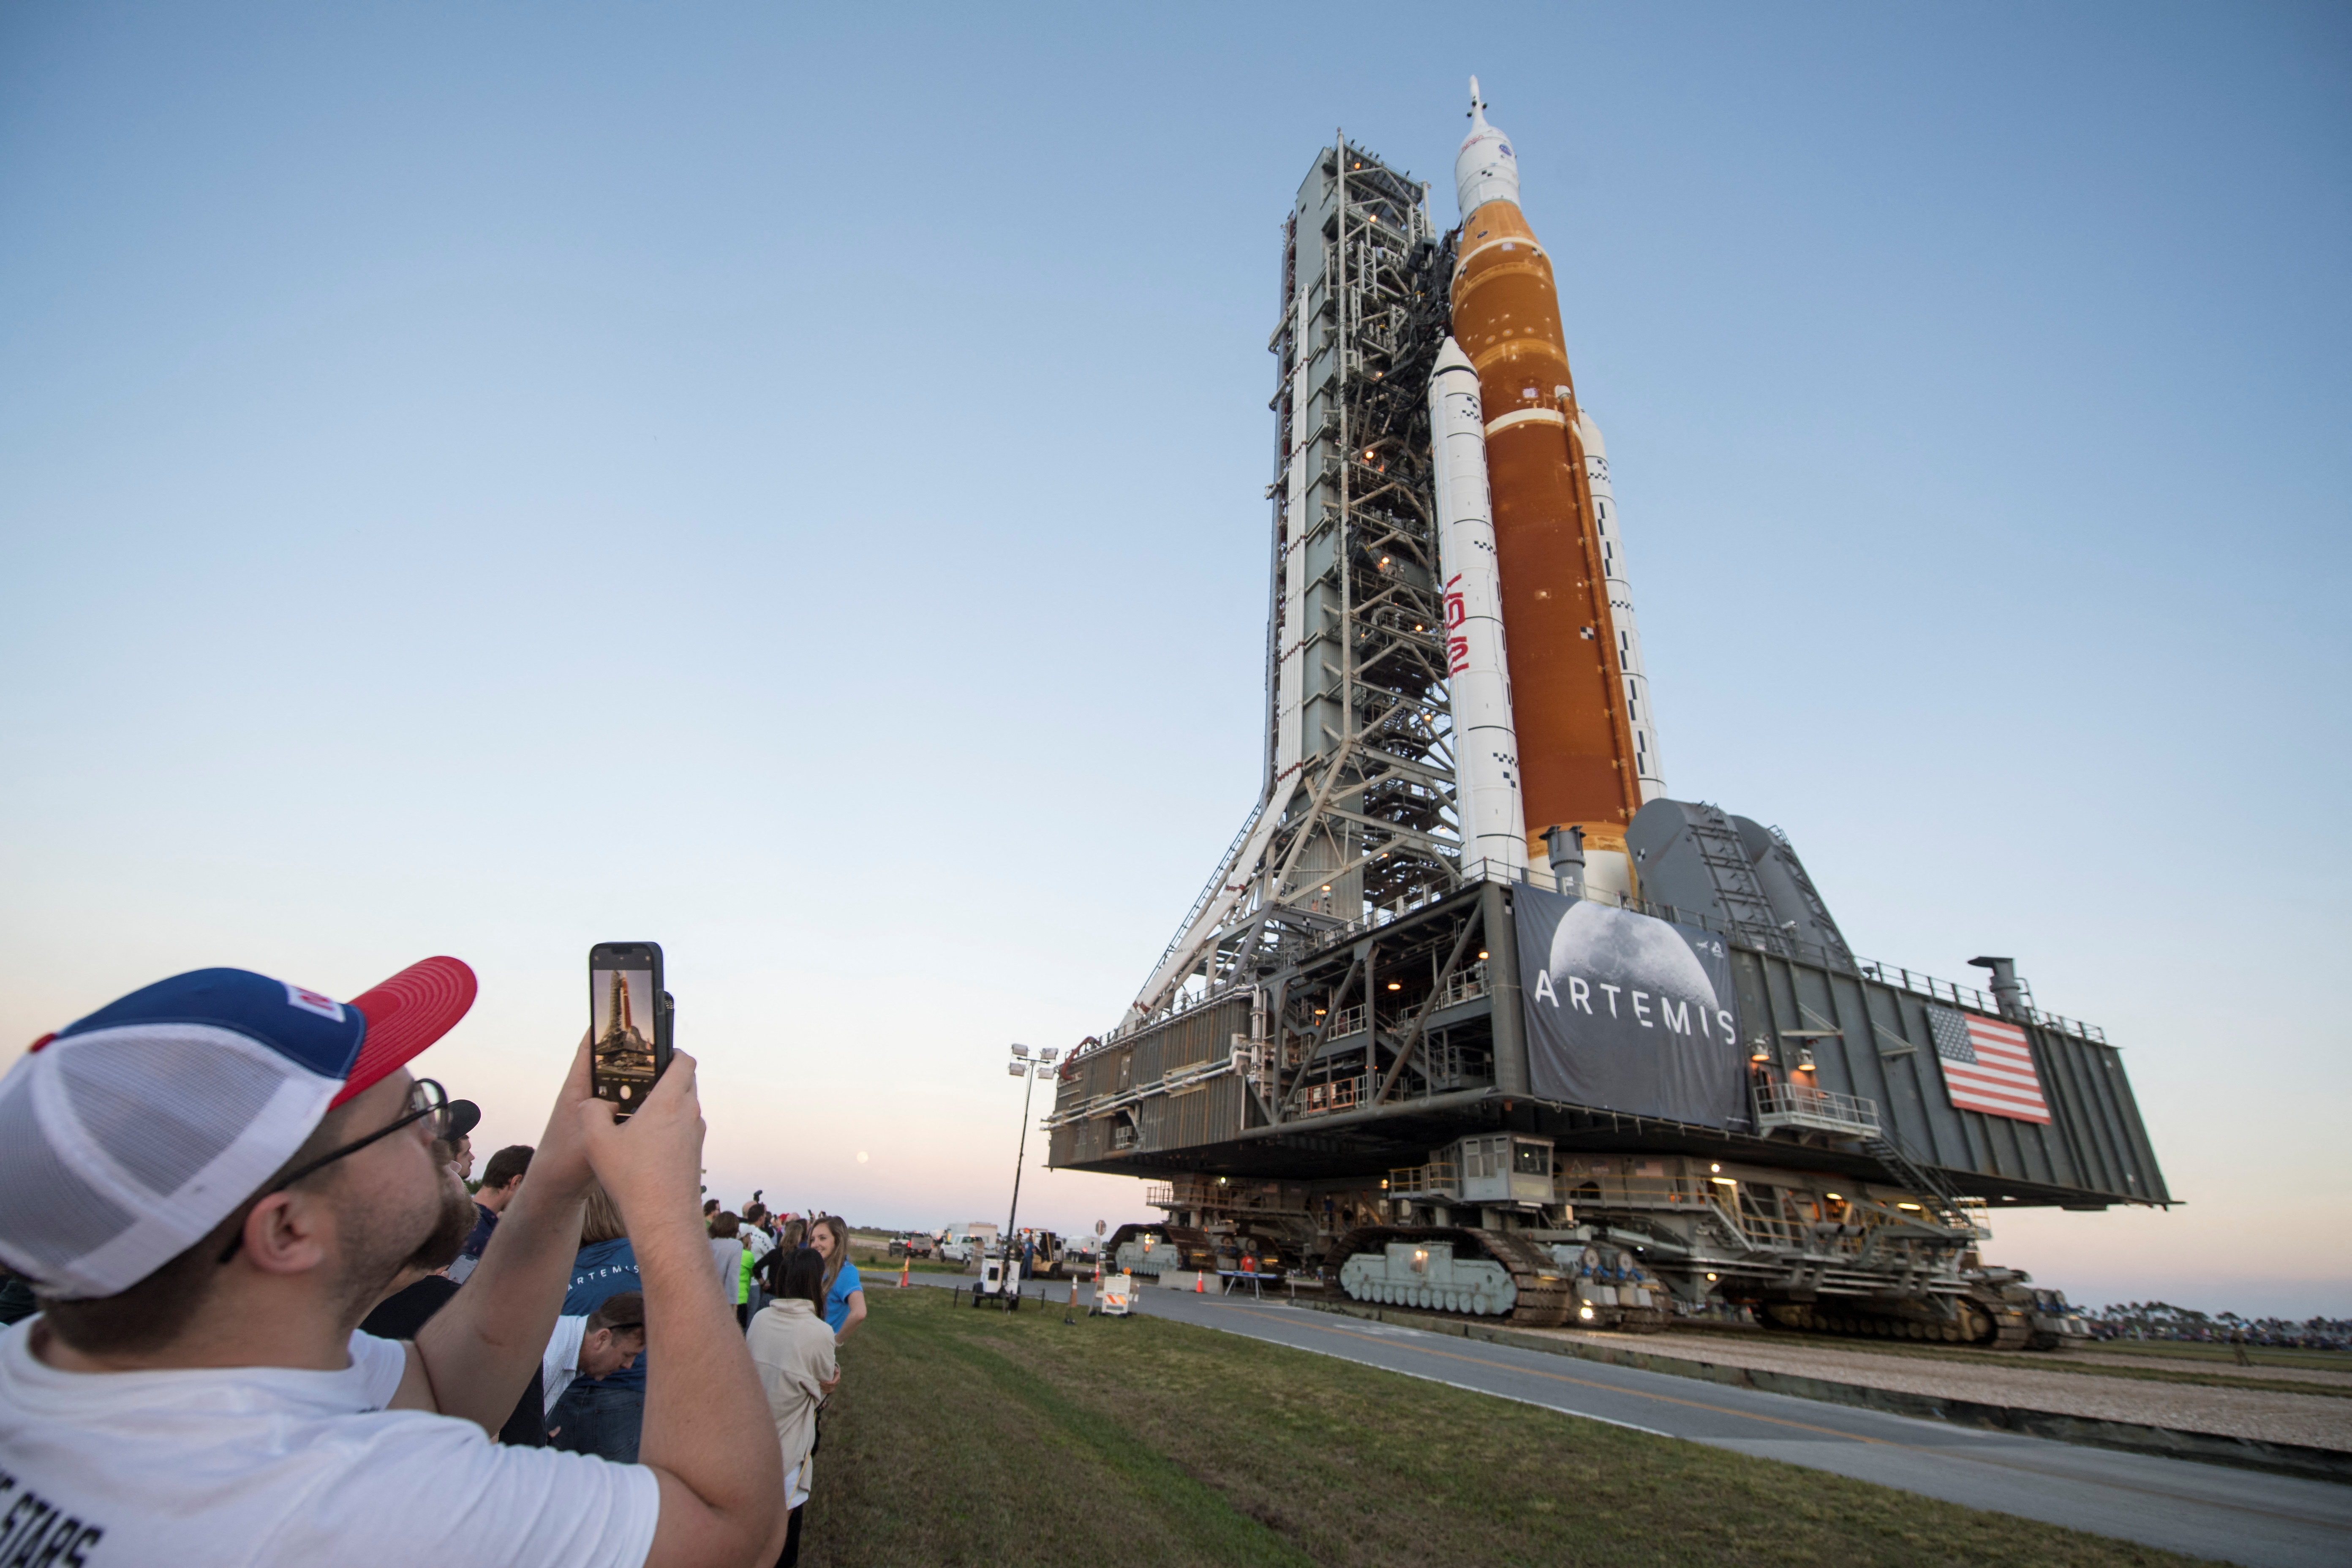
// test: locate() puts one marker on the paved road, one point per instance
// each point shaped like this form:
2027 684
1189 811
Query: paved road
2204 1511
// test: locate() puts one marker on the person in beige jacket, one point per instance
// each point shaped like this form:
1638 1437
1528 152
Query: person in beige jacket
794 1350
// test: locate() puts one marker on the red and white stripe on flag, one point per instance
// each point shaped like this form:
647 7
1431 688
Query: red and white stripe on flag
2001 1080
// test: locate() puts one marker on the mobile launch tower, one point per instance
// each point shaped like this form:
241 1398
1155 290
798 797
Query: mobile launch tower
1473 1016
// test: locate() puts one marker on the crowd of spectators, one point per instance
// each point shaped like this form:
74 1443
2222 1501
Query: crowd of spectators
258 1318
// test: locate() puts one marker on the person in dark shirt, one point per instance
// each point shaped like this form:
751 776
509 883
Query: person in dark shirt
424 1287
792 1236
501 1179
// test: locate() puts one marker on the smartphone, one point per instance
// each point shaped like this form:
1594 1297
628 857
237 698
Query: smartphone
628 1023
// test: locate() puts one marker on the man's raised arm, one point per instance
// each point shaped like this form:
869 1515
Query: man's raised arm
707 1435
479 1351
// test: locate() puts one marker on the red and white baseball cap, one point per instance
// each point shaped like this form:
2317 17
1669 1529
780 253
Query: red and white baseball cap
127 1135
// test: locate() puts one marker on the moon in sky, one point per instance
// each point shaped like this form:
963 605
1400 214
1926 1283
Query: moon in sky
861 1156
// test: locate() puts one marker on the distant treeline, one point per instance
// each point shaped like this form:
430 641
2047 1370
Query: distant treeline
2162 1321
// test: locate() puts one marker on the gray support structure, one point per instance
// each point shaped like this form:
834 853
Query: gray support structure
1503 976
1356 821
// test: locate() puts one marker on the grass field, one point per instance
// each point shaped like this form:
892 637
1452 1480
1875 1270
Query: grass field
2191 1350
971 1437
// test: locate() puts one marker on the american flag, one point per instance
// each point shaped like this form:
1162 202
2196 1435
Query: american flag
1987 1066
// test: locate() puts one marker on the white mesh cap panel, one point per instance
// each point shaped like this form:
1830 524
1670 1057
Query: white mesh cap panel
54 1217
165 1107
121 1148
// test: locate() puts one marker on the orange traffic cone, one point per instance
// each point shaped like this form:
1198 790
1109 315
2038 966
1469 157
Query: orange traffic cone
905 1272
1200 1283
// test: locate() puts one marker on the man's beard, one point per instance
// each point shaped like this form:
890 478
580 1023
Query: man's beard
440 1249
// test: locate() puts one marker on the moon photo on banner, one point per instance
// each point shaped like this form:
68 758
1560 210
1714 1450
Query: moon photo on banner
1628 1013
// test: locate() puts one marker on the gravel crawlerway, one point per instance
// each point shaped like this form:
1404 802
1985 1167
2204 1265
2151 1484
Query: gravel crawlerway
2315 1421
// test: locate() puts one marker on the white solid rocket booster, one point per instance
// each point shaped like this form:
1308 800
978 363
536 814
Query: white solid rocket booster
1620 610
1486 744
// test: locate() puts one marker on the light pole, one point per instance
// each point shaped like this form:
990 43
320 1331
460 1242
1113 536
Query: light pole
1022 1067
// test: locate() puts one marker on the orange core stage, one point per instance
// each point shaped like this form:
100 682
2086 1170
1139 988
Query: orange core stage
1568 692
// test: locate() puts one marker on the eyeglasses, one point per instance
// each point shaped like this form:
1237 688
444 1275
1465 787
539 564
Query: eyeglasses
425 1098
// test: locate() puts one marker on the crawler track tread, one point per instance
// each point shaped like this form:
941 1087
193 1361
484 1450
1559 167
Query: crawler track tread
1545 1296
1986 1323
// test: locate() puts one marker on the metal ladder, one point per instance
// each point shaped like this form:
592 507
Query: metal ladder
1744 903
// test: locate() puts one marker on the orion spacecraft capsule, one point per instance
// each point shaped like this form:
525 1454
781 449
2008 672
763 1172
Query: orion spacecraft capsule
1485 750
1579 760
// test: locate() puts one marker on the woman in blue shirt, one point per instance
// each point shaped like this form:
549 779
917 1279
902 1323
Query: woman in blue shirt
844 1293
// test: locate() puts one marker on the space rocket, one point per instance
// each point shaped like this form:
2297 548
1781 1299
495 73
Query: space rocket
1576 723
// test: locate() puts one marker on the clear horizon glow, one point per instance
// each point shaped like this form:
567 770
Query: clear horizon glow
415 411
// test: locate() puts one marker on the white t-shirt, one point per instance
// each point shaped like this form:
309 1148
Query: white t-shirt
561 1365
271 1465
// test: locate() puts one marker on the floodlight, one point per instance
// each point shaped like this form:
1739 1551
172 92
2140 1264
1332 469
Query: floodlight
1050 1054
1021 1051
1016 1069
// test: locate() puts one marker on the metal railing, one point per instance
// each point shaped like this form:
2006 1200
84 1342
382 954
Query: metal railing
1466 984
1628 1192
1817 1109
1338 1094
1439 1178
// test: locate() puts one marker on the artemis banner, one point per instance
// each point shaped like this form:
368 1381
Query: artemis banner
1627 1013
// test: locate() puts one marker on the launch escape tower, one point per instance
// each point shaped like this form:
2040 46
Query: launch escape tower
1362 1053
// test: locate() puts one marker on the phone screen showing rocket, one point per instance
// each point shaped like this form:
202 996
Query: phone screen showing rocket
627 1033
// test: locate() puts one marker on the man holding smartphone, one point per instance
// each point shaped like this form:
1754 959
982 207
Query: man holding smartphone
209 1181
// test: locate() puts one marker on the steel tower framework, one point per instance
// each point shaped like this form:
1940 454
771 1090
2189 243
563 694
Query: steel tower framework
1355 821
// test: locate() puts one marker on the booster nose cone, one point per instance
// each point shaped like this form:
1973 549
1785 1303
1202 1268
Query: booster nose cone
1485 169
1451 357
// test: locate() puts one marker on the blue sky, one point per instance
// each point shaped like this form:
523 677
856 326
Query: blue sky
789 485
